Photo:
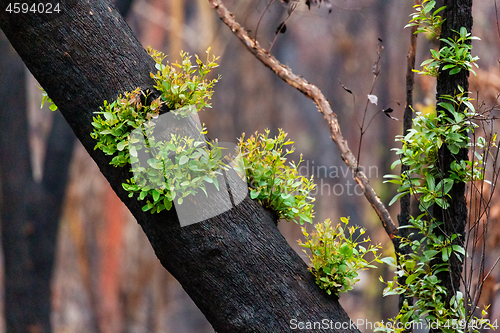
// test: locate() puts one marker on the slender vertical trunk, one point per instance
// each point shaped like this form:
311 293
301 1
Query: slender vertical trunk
405 201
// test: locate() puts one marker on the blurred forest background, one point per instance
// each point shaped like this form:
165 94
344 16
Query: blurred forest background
107 278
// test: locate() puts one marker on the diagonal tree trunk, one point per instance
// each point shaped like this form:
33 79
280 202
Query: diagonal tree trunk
237 267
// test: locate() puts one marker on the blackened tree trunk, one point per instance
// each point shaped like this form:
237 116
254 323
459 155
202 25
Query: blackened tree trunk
457 14
237 267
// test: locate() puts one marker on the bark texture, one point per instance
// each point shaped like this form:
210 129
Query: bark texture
457 14
237 267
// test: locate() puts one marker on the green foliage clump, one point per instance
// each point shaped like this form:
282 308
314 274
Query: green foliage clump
449 126
276 185
426 19
336 258
454 57
178 166
184 87
46 98
421 281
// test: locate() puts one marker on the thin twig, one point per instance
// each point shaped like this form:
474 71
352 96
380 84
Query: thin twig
376 73
290 11
260 18
496 15
312 92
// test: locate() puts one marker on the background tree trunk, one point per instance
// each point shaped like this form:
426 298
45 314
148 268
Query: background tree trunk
16 181
30 210
237 267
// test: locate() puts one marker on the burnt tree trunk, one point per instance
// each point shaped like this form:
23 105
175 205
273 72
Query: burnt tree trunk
457 14
237 267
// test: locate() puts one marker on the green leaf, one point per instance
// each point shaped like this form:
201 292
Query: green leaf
448 184
447 106
183 160
254 194
395 163
429 6
459 249
445 253
411 278
346 250
108 115
455 70
430 253
305 218
431 182
454 149
133 151
397 196
156 195
389 261
121 145
463 32
167 203
147 207
426 62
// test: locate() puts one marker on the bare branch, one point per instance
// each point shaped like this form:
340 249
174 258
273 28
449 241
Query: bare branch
312 92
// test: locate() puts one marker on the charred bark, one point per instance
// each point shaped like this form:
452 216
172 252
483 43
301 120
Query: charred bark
457 14
237 267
